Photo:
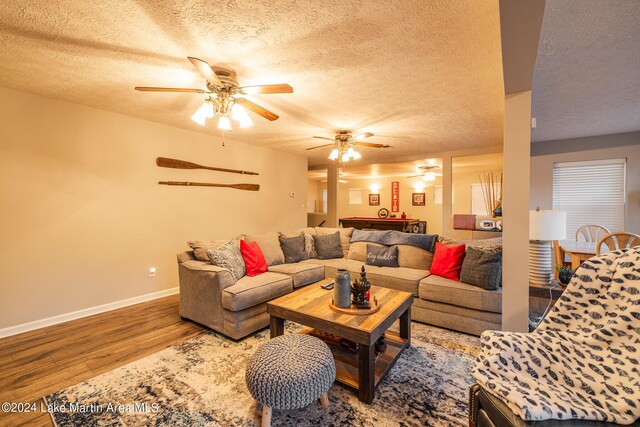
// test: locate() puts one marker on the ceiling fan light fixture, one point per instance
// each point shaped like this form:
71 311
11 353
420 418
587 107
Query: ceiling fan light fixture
429 176
345 157
239 114
334 154
224 123
203 113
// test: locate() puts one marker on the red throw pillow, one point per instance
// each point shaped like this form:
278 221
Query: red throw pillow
447 261
253 258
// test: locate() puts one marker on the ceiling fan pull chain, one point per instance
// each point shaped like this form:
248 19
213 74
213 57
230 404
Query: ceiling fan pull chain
223 137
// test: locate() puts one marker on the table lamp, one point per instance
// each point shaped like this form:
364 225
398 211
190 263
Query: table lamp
544 227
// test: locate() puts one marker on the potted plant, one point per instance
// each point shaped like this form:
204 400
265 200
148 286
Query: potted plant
565 273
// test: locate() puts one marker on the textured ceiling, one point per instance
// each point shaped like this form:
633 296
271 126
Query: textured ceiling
424 76
587 76
461 164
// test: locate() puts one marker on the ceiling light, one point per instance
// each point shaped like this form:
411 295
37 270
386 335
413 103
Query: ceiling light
345 157
239 114
429 176
204 112
224 123
334 154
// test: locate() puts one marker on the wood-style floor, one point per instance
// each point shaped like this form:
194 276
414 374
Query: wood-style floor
46 360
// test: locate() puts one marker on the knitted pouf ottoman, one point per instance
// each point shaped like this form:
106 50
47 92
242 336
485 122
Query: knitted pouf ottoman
290 372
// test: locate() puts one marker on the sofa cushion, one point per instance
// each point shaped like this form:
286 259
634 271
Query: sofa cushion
358 250
440 289
482 267
408 256
293 248
382 256
250 291
328 246
399 278
270 245
229 256
414 257
200 247
302 273
345 236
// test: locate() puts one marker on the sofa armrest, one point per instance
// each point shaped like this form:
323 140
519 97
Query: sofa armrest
201 286
474 405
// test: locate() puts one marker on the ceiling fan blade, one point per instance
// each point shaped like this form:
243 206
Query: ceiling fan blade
322 137
169 89
205 69
257 109
362 136
413 176
370 144
279 88
320 146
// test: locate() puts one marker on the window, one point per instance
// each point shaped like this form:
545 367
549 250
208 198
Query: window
355 196
437 195
324 201
478 205
590 192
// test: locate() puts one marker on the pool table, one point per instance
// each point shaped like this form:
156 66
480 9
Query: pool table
407 225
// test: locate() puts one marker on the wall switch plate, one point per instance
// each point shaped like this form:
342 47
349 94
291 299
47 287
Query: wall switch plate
152 272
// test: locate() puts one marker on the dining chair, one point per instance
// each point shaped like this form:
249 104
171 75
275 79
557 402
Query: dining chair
618 240
591 232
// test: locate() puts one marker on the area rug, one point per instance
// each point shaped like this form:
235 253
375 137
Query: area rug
201 383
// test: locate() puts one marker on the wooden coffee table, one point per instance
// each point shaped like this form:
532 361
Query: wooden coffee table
363 370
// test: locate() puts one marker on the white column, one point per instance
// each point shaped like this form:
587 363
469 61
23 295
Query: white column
515 254
332 195
447 195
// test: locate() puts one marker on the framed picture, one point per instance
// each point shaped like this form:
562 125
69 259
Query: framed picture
417 199
374 199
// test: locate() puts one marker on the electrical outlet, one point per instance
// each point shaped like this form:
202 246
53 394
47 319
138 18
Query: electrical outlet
152 272
292 194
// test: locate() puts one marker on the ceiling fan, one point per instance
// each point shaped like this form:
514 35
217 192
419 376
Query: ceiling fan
426 173
344 143
225 96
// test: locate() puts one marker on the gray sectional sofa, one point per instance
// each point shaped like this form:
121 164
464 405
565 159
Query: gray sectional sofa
210 296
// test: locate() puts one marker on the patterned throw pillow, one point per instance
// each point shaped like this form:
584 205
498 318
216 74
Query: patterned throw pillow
309 247
229 256
482 267
382 256
293 248
328 247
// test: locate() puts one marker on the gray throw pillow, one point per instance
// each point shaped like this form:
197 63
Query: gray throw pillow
329 246
293 248
382 256
482 267
229 256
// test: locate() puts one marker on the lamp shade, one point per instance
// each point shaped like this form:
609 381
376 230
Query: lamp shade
547 225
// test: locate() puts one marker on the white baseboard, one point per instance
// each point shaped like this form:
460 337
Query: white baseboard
37 324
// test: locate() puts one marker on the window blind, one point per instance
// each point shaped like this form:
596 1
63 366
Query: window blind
591 192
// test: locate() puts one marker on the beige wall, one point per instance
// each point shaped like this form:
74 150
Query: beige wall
545 154
431 212
83 218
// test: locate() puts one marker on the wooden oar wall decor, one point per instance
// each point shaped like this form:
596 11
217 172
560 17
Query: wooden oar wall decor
166 162
247 187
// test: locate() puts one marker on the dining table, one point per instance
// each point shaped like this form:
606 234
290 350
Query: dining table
578 250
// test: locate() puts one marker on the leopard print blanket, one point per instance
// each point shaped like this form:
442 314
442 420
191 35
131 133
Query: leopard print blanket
583 361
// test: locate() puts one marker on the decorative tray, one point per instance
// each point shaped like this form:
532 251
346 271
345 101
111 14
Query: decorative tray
352 309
